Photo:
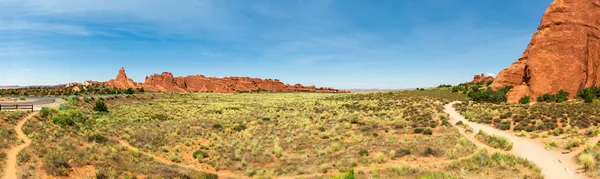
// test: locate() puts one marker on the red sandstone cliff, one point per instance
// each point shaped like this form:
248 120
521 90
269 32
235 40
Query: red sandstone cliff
564 53
165 82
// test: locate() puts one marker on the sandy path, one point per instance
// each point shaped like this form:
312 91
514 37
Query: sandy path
11 160
549 161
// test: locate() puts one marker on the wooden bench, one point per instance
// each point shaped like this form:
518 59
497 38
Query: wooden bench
7 107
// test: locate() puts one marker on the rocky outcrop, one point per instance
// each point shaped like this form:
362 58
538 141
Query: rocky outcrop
564 52
166 82
122 81
482 78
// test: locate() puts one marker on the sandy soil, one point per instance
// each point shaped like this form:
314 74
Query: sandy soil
11 160
553 164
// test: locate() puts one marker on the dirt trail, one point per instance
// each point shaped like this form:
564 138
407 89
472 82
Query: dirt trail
10 172
550 162
221 173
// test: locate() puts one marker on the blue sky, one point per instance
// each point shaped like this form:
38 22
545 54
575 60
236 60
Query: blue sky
337 43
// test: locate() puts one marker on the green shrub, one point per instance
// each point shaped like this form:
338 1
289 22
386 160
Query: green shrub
363 152
589 98
129 91
100 106
494 141
428 132
433 152
469 129
418 130
562 96
69 117
86 99
217 126
350 174
589 94
98 139
525 100
23 157
587 160
101 174
547 98
64 107
572 143
489 95
44 112
278 151
200 154
56 163
379 157
159 117
175 158
240 127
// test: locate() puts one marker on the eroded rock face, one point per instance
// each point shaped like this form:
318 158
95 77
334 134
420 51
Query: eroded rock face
165 82
482 78
564 53
122 82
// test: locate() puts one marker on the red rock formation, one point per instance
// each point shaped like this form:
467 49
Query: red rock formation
122 82
482 78
564 53
165 82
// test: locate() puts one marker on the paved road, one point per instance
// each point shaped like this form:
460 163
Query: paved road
37 102
549 161
32 100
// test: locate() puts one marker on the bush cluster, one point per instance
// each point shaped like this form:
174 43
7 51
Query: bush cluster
589 94
560 97
490 95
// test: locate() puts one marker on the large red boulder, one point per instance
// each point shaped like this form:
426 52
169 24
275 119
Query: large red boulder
564 53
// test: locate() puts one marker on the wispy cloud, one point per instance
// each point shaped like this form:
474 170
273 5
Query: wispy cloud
23 26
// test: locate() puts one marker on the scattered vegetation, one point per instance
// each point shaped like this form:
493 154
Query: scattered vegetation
494 141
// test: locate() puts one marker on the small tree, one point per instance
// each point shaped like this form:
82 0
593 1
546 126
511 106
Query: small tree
589 98
129 91
525 100
562 96
100 106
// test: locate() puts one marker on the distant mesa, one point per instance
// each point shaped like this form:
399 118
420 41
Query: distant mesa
166 82
564 53
482 78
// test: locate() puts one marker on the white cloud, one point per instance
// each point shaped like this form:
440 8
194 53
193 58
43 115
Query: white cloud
43 27
491 74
